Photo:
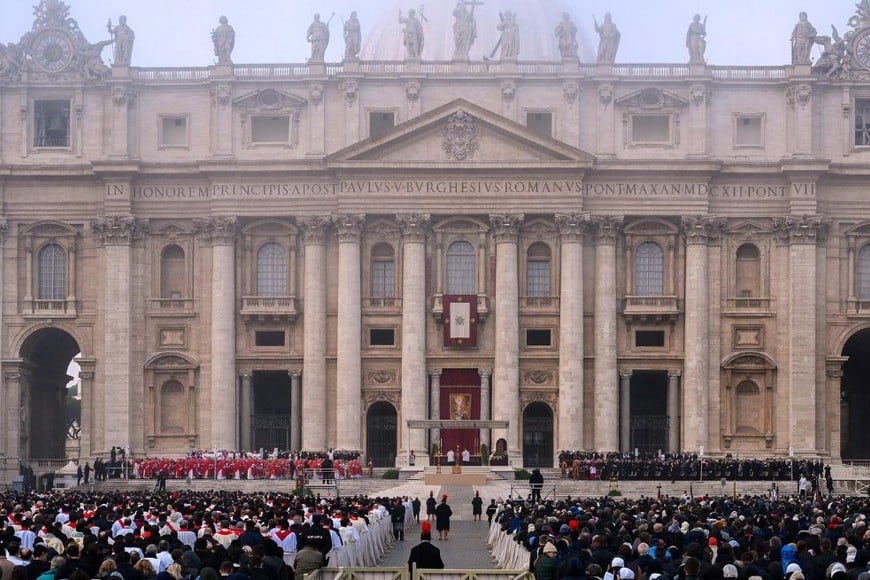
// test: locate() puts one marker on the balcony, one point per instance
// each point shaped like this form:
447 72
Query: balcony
269 308
65 308
170 307
858 308
438 307
652 309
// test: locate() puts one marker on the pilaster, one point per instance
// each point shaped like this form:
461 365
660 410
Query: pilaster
625 410
246 410
485 405
434 404
674 410
295 409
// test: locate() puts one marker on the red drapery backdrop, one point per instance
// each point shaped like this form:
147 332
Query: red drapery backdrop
460 399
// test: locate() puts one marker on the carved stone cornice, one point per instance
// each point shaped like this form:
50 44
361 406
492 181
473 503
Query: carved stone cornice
700 229
414 226
799 95
506 226
116 230
216 231
805 229
314 230
607 229
573 227
349 227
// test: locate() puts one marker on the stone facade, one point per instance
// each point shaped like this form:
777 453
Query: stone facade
609 257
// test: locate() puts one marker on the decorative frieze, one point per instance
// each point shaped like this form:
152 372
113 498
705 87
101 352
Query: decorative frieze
506 226
216 231
413 225
119 230
805 229
573 227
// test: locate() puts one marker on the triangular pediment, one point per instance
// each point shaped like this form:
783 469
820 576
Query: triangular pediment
269 100
750 227
463 135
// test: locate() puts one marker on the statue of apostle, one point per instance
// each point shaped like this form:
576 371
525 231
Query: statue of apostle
608 43
566 33
224 39
464 30
318 36
802 39
696 40
510 35
124 37
412 35
352 37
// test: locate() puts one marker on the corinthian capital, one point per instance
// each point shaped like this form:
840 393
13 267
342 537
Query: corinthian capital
607 228
116 230
506 226
349 226
216 231
805 229
573 227
314 229
700 229
413 225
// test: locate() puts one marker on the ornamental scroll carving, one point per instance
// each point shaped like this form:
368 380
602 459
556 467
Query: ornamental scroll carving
314 229
219 231
460 136
607 228
700 229
372 397
119 230
806 229
506 226
414 225
550 398
349 227
382 377
538 377
573 226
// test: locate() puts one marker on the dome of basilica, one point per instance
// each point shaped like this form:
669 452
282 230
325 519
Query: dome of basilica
537 21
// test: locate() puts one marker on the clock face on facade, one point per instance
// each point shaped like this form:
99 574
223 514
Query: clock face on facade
861 49
52 51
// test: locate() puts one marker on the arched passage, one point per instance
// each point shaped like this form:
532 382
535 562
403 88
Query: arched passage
855 397
50 412
538 435
381 428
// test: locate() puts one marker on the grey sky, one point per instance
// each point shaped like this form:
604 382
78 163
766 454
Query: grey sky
176 32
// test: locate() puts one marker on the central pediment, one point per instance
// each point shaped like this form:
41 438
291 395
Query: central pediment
463 135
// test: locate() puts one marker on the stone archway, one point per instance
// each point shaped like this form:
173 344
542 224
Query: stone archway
855 396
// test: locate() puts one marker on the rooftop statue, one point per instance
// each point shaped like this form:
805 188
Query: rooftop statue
10 60
224 39
510 35
92 60
123 36
802 39
566 32
352 37
696 40
464 28
609 36
412 35
318 36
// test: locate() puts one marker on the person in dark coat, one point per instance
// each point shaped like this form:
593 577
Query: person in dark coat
442 518
476 506
536 482
431 504
425 555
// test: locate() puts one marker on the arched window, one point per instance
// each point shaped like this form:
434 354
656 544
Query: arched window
863 275
173 279
383 271
748 408
172 407
460 268
538 271
649 265
52 273
748 277
272 270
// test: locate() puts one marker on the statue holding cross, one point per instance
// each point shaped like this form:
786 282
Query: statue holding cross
464 28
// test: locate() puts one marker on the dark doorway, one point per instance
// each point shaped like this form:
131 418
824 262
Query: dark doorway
855 397
649 411
50 413
538 435
270 423
381 444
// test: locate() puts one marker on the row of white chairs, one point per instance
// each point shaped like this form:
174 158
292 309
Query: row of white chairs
506 551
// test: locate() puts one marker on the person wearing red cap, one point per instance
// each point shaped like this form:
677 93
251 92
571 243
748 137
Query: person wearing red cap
442 518
424 555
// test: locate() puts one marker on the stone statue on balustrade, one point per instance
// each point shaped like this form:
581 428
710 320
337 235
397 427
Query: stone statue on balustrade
318 36
124 37
608 40
224 39
10 60
412 35
566 33
696 40
352 37
92 60
464 29
510 35
802 39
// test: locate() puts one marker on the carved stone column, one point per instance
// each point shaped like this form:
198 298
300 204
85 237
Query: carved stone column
834 376
674 411
485 405
314 334
116 234
625 410
349 334
802 234
572 229
434 404
414 227
220 234
606 394
295 410
246 410
4 449
506 377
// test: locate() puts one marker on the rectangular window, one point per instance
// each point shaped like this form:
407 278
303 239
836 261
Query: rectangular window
749 131
539 337
272 129
540 123
383 279
862 122
51 123
539 278
173 131
380 123
649 338
651 129
382 336
270 338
